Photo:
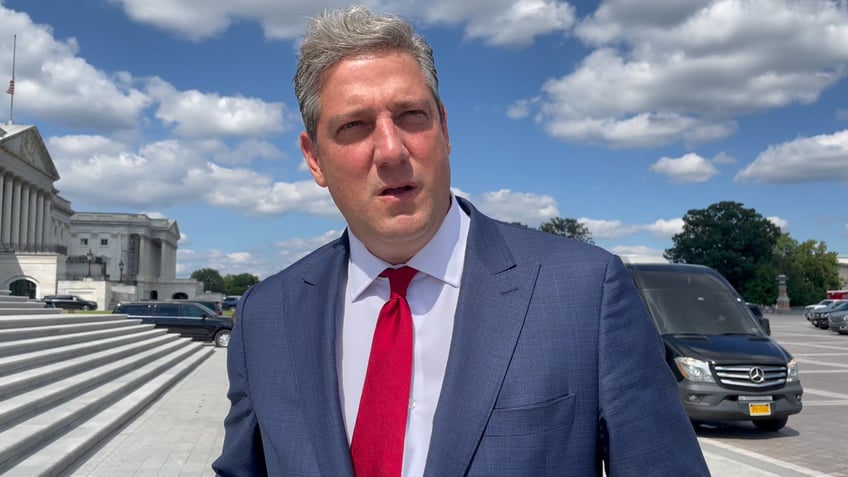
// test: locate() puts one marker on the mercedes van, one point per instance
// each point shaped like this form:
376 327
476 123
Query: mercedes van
727 367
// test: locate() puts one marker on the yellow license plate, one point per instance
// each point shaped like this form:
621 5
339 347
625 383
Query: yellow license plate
759 409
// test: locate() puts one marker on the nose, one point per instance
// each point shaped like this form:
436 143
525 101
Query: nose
389 144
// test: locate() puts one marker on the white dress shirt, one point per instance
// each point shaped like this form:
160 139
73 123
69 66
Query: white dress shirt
432 297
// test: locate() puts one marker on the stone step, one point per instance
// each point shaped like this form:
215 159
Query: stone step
56 341
28 360
29 440
12 321
24 381
30 311
32 332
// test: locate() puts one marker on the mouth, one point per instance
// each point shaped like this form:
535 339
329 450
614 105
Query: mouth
396 191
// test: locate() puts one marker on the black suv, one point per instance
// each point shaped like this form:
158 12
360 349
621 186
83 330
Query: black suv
727 367
192 320
69 302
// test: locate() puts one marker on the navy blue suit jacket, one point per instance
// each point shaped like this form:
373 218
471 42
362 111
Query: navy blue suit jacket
554 365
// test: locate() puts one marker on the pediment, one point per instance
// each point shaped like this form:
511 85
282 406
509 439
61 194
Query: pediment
24 152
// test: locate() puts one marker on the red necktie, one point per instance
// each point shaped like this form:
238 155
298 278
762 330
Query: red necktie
377 444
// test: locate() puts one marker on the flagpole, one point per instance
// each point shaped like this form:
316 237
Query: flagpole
11 89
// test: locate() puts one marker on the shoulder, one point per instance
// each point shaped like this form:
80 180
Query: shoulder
312 269
525 242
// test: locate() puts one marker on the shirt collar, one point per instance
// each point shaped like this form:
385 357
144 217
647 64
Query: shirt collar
442 258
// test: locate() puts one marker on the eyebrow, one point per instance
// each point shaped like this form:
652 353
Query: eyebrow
401 105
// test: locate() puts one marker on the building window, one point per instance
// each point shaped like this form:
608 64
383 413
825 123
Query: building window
84 241
104 242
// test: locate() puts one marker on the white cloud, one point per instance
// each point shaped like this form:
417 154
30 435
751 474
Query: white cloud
197 114
685 170
509 206
607 229
640 251
496 22
809 159
53 84
780 222
665 228
171 171
664 73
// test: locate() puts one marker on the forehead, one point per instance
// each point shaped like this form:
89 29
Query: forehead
377 69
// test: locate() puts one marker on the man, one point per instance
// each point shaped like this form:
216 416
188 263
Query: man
532 354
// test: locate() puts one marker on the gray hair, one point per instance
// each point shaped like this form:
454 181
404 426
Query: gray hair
341 33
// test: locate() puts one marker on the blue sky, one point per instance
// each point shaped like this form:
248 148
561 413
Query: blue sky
623 114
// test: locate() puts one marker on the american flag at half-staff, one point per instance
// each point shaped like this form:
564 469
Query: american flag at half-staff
11 89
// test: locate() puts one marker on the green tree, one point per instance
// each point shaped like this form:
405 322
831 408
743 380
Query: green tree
810 271
238 284
568 227
728 237
212 280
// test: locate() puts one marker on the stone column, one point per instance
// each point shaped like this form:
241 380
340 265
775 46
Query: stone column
39 221
33 217
24 229
7 209
16 212
2 201
48 213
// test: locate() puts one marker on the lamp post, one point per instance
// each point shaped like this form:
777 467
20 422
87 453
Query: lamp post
90 257
121 268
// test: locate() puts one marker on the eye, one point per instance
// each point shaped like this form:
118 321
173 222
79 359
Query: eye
415 112
350 125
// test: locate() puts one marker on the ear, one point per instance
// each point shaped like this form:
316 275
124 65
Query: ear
444 124
310 155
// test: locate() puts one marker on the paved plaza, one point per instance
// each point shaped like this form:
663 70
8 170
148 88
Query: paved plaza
182 433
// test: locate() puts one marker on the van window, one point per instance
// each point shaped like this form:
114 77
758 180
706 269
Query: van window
682 302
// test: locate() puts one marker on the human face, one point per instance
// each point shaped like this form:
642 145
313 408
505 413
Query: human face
381 148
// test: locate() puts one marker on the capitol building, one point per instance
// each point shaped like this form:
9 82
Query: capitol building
47 248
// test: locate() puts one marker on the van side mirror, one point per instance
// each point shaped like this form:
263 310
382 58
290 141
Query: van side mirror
766 325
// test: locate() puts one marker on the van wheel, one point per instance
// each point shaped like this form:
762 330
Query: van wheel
771 425
222 338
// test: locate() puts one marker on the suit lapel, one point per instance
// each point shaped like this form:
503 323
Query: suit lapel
492 305
312 307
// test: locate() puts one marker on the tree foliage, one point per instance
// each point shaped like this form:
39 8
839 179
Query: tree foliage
211 279
228 285
750 251
728 237
567 227
809 268
238 284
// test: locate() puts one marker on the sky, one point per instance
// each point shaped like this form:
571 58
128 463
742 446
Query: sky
622 114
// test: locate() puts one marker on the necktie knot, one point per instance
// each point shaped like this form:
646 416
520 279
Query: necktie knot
399 279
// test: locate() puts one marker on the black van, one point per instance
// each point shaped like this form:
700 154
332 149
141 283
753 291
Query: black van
192 320
727 367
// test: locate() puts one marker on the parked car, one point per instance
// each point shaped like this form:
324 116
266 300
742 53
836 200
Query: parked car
192 320
69 302
726 365
230 302
838 322
819 317
809 309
